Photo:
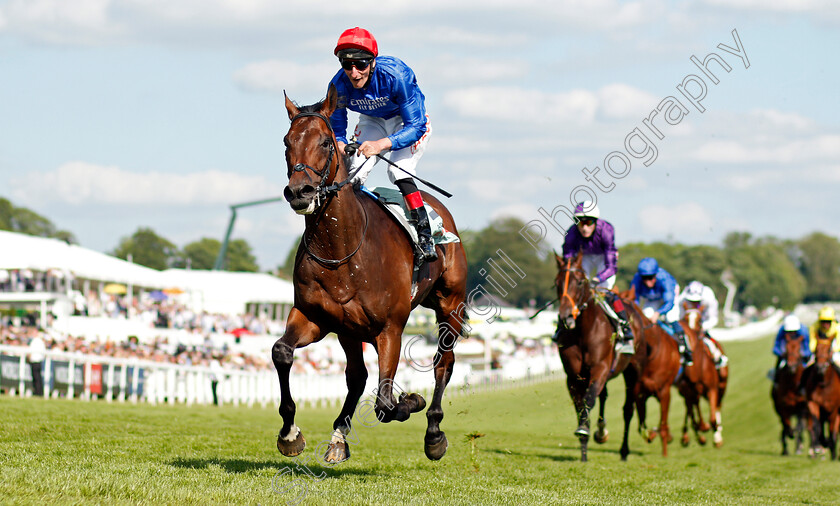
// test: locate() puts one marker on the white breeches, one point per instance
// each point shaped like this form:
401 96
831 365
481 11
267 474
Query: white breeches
371 128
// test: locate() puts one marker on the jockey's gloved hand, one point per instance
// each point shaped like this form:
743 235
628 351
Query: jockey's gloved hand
350 149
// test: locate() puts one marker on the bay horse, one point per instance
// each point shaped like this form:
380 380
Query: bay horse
353 276
787 397
589 357
822 391
699 380
652 371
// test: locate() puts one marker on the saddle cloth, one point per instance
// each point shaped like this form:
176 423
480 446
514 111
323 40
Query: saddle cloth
393 201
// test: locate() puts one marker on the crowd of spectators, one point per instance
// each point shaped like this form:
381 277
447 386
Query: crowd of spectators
159 350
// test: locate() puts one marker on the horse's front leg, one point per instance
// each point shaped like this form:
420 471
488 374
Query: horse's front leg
299 332
602 434
592 393
389 408
356 375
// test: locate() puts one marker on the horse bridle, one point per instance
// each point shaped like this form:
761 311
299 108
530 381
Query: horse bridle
323 191
565 295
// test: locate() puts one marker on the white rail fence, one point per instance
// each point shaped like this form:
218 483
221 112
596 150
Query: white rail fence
68 375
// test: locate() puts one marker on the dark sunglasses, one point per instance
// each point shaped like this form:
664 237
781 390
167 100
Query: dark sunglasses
648 278
587 221
361 65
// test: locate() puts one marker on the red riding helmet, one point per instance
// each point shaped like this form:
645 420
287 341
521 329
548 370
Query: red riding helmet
355 40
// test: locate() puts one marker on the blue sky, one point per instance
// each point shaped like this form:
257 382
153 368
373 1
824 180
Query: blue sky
116 114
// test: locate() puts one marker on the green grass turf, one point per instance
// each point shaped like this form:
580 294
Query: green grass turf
78 452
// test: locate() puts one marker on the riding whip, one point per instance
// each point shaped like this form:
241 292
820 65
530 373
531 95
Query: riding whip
351 148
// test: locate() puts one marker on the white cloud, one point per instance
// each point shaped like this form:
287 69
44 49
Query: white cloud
522 105
789 6
620 101
686 219
574 107
821 147
86 183
783 121
61 21
275 76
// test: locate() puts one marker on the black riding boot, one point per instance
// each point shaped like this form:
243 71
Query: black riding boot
424 234
419 218
626 340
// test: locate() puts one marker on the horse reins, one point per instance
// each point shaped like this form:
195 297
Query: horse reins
324 191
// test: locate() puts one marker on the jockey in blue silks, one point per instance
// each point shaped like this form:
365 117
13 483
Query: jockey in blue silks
657 289
595 237
392 117
791 328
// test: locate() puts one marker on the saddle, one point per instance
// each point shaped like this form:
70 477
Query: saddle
392 201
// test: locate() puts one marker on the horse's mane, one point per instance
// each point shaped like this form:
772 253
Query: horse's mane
310 108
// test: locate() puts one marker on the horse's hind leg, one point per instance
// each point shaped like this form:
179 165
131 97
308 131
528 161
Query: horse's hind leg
630 393
602 434
685 440
299 332
450 328
356 376
664 404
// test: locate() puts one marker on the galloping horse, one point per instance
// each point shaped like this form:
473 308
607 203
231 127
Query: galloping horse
586 348
353 277
589 359
822 390
787 398
651 373
699 380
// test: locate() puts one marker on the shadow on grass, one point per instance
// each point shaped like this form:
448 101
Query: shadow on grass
556 458
236 466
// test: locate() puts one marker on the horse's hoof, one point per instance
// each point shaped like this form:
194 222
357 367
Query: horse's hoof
718 444
436 451
650 436
704 427
337 453
701 439
601 436
582 431
685 440
291 448
718 440
414 401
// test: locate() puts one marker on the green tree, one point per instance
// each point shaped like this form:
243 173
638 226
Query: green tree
240 258
288 268
819 263
147 248
483 249
202 255
763 272
26 221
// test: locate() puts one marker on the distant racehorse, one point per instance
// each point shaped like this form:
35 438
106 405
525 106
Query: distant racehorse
699 380
651 373
822 388
589 358
353 277
787 397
